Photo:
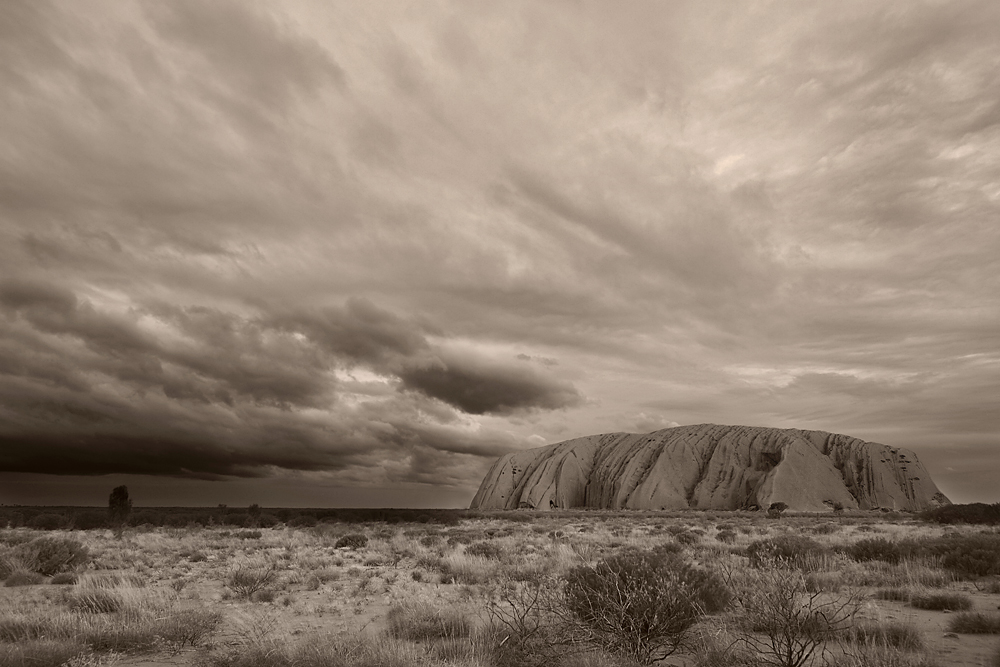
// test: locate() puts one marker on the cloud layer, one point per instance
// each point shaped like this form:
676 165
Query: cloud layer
370 247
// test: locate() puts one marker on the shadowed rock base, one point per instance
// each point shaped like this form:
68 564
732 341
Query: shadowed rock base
710 467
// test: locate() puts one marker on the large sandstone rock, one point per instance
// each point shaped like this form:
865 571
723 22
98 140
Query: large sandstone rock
710 467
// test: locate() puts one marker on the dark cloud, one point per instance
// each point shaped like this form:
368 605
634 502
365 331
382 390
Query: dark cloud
478 387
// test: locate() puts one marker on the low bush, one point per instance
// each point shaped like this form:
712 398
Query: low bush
990 586
40 653
980 513
641 603
726 536
23 578
248 535
824 582
188 627
423 623
795 550
782 623
875 548
46 521
50 555
490 550
246 578
63 579
975 623
966 556
304 521
892 635
974 556
941 601
352 541
894 594
688 537
90 520
882 657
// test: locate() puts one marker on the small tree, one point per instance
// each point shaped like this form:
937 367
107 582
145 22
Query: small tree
119 507
776 509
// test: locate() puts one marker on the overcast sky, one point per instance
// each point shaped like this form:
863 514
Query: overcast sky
347 253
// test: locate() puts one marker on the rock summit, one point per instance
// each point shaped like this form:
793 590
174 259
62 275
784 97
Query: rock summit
709 466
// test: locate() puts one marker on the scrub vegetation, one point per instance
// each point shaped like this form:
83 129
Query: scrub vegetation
294 588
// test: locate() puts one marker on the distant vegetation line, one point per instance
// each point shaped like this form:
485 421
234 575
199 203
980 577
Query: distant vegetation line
254 516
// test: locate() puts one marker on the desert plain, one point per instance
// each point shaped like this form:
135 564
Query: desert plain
504 588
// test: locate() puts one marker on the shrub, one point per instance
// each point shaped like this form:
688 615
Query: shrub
726 536
784 624
423 622
980 513
878 656
304 521
894 594
776 509
826 528
90 520
795 550
490 550
187 627
688 537
246 578
941 601
824 582
49 555
248 534
63 579
46 521
352 541
264 595
23 578
642 604
989 586
40 653
875 548
974 556
894 635
975 623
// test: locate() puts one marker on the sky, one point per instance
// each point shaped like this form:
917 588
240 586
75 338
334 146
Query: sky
313 253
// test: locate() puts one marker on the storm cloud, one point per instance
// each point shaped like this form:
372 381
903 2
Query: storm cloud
367 248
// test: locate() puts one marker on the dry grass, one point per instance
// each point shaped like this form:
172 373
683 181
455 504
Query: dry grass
169 589
941 601
975 623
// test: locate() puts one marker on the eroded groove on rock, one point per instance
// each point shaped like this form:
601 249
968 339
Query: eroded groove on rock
709 466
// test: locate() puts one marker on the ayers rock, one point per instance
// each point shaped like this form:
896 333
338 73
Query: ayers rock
710 467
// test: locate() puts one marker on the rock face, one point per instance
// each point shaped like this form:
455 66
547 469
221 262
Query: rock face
710 467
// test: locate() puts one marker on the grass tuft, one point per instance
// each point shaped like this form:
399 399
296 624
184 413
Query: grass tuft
900 636
975 623
421 622
23 578
941 601
40 653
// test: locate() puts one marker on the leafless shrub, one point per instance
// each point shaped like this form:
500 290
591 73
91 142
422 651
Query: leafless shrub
248 577
642 603
781 621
